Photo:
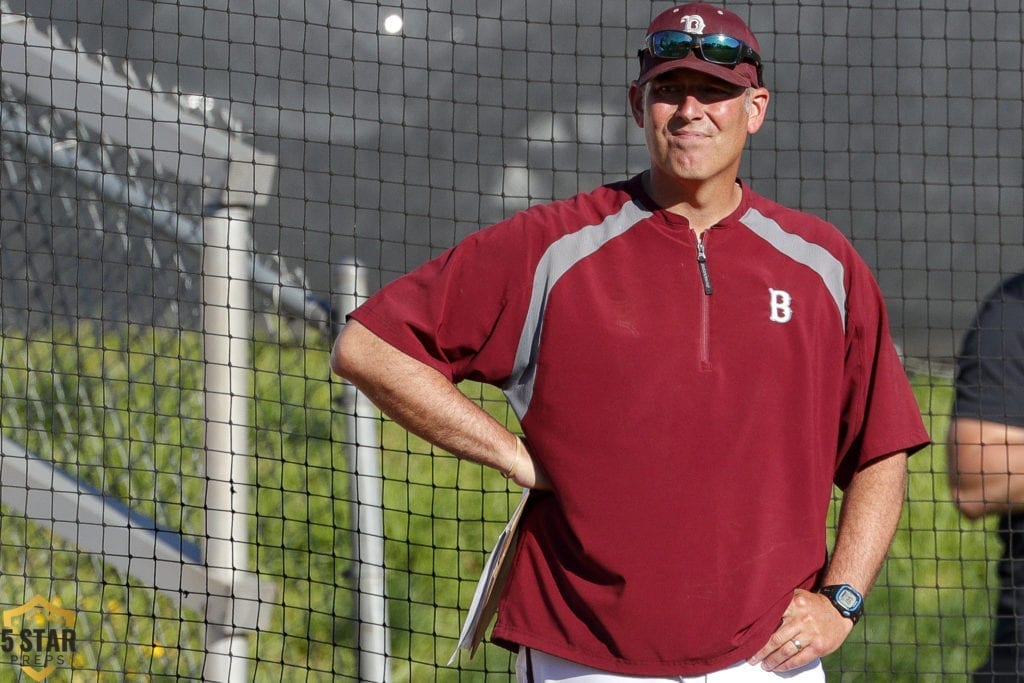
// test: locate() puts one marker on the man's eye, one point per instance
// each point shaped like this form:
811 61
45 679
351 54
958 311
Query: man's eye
695 92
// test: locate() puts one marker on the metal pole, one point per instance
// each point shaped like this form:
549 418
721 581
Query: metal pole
363 434
227 337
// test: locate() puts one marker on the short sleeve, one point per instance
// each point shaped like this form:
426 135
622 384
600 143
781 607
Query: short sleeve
881 415
460 313
990 366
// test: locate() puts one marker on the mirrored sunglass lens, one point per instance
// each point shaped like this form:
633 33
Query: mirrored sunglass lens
671 44
720 49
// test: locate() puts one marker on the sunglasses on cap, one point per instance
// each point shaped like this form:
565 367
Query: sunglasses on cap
716 48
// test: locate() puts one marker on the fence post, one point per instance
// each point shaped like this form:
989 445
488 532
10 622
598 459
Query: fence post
362 429
227 339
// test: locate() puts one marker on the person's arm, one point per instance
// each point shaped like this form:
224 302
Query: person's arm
867 523
423 401
986 466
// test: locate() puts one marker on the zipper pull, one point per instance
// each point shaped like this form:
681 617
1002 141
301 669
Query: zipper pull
702 264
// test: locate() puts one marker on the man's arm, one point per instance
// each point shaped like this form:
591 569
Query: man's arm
423 401
986 466
867 523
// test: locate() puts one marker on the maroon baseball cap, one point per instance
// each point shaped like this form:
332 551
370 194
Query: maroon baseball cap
700 18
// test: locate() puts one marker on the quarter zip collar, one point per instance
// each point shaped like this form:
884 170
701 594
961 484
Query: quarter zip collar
675 221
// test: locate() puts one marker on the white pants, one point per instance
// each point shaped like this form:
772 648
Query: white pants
534 666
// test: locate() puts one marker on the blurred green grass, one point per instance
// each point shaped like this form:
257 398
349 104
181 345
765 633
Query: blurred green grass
124 413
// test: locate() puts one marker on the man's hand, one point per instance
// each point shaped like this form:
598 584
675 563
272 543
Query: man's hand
528 473
811 628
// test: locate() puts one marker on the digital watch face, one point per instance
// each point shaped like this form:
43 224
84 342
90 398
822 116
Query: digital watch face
847 599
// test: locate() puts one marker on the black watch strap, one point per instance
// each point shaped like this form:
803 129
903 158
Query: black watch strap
846 599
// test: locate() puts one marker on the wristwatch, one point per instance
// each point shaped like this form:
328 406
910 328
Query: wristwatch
846 599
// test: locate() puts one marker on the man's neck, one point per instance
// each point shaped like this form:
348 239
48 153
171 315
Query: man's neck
702 203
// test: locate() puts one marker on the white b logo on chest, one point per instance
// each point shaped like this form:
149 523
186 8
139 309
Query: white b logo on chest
780 306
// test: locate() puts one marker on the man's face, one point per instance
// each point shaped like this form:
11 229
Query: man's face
696 125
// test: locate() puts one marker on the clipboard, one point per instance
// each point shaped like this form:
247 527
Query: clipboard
489 587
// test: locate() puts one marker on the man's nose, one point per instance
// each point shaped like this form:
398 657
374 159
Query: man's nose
690 106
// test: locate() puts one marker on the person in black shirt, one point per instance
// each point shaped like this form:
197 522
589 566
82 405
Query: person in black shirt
986 456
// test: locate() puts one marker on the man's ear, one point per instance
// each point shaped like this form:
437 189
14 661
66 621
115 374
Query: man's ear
759 98
636 102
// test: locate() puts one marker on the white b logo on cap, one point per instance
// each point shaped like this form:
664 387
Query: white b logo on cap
692 23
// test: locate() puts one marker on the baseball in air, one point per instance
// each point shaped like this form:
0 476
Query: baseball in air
393 23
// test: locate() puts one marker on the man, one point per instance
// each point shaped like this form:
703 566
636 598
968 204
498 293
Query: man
693 366
986 456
